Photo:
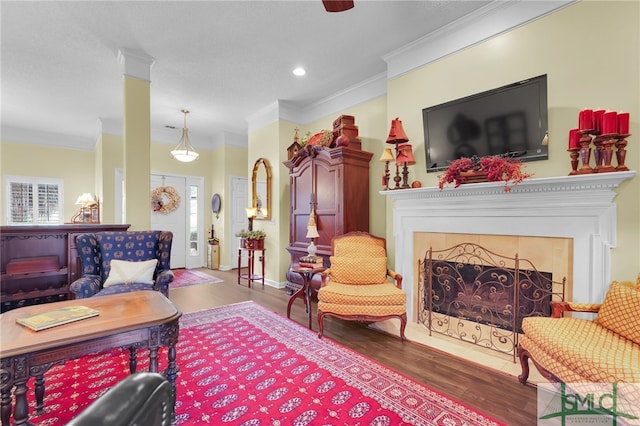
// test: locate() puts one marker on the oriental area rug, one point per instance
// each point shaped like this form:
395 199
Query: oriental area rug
243 364
189 277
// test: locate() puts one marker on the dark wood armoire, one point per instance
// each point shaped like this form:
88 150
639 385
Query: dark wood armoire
335 183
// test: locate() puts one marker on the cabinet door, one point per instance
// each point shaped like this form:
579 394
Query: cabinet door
301 184
326 186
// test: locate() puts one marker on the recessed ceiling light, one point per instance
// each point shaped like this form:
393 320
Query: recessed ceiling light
299 71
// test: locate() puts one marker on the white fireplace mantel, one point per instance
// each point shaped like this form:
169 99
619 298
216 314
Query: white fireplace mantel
580 207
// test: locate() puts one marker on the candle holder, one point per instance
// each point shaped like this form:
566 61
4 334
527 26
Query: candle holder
621 152
597 153
585 152
397 178
574 153
607 153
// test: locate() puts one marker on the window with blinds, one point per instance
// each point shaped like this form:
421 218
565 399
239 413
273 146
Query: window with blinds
33 201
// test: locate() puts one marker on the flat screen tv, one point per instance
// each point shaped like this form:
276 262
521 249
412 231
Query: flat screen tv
510 120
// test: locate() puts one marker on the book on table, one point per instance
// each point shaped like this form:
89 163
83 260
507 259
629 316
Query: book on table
57 317
311 262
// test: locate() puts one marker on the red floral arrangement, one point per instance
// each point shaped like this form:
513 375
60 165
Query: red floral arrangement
495 167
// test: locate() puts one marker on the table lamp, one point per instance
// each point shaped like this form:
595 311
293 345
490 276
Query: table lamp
405 158
251 214
397 136
312 232
386 157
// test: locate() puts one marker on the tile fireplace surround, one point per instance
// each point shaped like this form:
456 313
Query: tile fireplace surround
578 207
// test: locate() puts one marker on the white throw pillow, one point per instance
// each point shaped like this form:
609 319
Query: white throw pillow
125 272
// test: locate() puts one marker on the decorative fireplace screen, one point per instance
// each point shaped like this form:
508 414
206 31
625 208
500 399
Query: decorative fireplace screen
481 297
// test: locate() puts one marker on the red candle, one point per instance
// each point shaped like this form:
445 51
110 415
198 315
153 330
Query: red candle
574 139
623 123
609 123
585 119
597 119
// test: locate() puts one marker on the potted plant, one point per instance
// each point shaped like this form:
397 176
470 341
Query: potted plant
252 239
491 168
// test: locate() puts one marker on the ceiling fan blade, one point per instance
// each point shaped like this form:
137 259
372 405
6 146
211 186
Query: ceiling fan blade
337 5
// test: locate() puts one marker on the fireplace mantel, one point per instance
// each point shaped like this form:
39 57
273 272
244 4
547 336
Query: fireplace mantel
580 207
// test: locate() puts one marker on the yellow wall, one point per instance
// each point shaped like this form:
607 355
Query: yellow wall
227 161
262 144
588 64
137 145
76 167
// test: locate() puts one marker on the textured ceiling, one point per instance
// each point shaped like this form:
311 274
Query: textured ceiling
223 60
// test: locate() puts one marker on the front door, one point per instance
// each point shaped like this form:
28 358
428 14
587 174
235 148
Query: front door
173 220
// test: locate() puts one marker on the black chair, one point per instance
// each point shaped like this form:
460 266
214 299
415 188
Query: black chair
141 399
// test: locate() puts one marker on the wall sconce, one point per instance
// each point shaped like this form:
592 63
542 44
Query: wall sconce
251 214
89 211
405 158
386 157
397 136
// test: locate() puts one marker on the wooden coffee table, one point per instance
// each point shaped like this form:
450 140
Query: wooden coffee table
141 319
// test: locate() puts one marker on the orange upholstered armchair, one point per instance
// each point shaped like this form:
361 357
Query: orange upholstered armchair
356 288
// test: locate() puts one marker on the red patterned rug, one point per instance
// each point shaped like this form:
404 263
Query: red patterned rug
188 277
245 365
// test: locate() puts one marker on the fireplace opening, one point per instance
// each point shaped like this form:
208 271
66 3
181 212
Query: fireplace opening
479 296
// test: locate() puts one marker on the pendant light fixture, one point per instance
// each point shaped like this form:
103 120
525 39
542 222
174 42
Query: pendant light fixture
184 151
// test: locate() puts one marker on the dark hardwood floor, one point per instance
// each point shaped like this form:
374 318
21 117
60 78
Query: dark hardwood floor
498 395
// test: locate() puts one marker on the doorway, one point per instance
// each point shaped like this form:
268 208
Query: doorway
185 220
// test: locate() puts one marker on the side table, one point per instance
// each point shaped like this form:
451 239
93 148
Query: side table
250 276
305 291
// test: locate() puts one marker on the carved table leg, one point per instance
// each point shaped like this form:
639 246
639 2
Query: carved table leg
133 359
153 360
6 384
21 408
39 391
170 338
171 373
6 404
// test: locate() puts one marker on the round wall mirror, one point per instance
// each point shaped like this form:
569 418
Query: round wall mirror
261 188
215 204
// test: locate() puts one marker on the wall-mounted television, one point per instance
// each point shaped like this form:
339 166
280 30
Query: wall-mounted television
510 120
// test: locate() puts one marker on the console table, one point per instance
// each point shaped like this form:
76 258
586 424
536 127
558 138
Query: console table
38 263
135 320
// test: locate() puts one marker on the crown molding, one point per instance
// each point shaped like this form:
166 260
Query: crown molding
364 91
491 20
54 140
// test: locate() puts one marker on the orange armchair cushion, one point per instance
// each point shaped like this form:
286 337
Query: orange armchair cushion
359 246
620 311
358 270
